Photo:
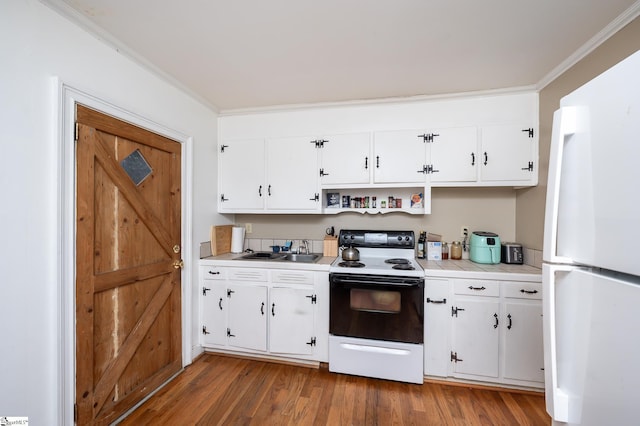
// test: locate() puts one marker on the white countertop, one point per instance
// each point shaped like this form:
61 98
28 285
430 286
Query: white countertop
433 268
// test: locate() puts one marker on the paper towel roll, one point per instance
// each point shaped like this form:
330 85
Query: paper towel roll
237 239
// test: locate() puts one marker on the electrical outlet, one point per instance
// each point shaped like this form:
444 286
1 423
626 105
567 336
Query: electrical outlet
248 227
464 231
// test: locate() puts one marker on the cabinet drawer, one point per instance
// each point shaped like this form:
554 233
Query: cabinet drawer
213 273
477 287
248 275
292 277
522 290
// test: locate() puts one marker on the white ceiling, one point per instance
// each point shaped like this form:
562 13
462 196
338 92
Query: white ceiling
256 53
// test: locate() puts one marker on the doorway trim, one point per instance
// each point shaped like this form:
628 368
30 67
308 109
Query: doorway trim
65 98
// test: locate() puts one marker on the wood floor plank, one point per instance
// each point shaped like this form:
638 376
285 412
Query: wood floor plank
223 390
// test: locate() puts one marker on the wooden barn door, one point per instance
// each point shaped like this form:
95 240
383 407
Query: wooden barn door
128 265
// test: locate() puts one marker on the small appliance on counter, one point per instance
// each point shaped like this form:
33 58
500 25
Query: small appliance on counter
485 247
511 253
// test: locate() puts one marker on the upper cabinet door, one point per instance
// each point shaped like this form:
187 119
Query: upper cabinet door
399 157
454 155
292 174
507 153
346 159
241 174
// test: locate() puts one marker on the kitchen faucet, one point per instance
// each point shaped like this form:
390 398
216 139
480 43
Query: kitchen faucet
304 248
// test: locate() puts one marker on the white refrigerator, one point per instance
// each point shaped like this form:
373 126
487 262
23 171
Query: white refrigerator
591 253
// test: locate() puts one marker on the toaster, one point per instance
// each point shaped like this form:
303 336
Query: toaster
511 253
484 247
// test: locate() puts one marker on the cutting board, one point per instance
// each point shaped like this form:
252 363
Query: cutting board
220 239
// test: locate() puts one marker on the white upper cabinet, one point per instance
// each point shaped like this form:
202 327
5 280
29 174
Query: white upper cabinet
508 154
242 175
399 157
292 175
345 159
277 175
453 155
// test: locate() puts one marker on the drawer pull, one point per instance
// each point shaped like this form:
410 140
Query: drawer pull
214 273
477 288
437 302
528 291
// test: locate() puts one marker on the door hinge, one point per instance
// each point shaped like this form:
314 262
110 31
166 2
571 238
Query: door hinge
454 357
222 147
76 132
454 311
316 197
428 137
229 292
322 173
319 143
312 342
222 198
313 298
529 131
529 166
204 330
205 290
229 333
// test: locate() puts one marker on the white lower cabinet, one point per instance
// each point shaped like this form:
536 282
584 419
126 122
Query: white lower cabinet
272 312
495 330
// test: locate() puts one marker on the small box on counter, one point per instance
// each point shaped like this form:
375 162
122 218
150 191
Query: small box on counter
330 247
434 250
333 199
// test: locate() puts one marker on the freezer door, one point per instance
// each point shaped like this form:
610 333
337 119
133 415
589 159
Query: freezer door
592 346
592 194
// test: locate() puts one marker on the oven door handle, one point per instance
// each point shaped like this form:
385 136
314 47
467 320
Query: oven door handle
352 281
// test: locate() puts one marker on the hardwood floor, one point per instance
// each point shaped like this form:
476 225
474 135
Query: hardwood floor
218 390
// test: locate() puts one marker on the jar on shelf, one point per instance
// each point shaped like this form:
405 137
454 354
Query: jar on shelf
445 251
456 250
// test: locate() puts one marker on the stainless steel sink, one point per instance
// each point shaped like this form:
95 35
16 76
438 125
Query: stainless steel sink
286 257
308 258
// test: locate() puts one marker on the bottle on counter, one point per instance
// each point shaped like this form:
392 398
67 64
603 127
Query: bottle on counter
445 251
421 245
456 250
465 251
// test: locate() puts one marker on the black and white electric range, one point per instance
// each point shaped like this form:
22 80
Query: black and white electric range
376 314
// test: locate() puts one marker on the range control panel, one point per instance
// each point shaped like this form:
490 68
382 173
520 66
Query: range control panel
380 239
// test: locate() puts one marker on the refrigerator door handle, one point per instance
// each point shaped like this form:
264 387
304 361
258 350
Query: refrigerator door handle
557 400
564 124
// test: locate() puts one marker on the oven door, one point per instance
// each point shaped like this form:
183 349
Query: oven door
378 307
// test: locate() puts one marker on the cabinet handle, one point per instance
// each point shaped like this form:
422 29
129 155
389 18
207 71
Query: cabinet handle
528 291
486 158
366 163
477 288
220 303
214 273
261 308
269 190
510 322
273 309
473 159
377 161
260 191
496 318
437 302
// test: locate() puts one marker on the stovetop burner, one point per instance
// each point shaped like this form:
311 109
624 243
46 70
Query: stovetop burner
397 261
403 267
351 264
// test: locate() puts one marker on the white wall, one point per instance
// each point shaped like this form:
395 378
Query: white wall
37 44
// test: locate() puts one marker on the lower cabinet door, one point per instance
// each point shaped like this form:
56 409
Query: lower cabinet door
214 308
437 318
247 321
476 336
291 321
523 347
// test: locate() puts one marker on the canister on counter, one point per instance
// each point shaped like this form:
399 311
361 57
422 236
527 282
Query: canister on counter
456 250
